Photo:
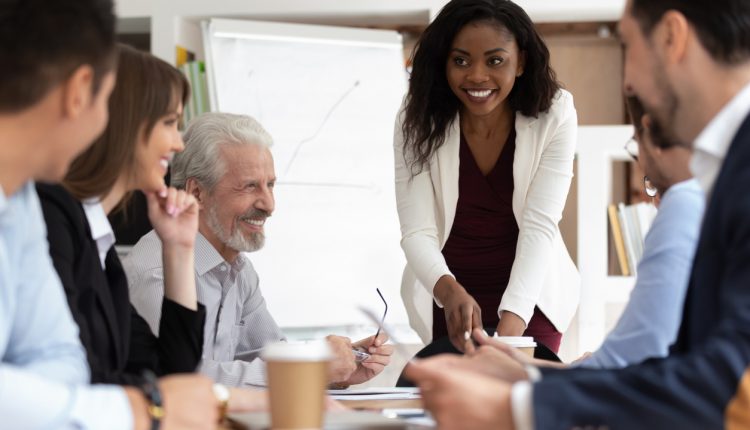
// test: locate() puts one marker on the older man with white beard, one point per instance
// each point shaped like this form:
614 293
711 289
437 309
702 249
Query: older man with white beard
228 167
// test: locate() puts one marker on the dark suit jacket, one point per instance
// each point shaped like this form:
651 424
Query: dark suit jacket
119 343
692 387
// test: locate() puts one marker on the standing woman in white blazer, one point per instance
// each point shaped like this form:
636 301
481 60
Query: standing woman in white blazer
484 149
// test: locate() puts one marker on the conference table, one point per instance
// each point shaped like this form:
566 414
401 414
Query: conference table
366 414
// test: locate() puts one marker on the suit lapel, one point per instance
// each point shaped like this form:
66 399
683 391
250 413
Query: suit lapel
711 232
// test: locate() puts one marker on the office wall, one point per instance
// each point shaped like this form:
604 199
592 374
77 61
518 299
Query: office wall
590 67
539 10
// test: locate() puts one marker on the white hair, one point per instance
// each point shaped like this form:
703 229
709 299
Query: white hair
200 159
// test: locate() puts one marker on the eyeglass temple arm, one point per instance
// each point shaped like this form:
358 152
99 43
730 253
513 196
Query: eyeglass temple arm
384 313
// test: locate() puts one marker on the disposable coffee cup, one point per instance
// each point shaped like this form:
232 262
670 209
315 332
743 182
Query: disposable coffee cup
297 378
525 344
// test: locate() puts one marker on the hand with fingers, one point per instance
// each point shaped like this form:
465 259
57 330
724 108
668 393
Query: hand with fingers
174 215
462 313
252 400
459 397
482 339
188 403
380 357
343 364
497 364
247 400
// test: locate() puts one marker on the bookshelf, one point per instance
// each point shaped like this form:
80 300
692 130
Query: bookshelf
598 148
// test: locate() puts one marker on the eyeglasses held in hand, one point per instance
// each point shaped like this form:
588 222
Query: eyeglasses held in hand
385 312
360 354
400 347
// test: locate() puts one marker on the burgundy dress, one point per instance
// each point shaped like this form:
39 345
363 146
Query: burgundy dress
482 243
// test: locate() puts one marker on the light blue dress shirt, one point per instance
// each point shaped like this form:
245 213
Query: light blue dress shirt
651 319
43 372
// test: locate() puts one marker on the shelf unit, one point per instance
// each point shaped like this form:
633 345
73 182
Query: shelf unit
598 148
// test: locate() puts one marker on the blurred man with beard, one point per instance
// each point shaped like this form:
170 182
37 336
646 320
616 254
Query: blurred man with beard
228 167
688 61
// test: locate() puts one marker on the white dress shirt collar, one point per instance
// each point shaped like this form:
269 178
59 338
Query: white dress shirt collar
712 144
101 229
208 258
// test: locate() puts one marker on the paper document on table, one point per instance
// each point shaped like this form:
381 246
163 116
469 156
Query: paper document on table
340 420
376 393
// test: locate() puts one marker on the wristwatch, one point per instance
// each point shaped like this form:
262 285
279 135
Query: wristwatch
150 389
221 392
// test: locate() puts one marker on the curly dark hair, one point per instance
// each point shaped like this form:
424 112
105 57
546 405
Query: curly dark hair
431 106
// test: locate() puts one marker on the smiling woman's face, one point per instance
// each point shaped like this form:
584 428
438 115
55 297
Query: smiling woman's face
154 152
482 67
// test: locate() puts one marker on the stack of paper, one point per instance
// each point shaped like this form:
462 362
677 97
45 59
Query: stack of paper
376 393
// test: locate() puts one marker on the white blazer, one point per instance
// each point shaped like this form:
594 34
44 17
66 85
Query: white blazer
543 273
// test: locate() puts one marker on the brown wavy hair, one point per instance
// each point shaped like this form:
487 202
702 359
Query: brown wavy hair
147 89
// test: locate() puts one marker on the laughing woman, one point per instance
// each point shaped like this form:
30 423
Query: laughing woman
132 154
484 148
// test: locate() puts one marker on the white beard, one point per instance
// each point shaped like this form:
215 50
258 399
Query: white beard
235 239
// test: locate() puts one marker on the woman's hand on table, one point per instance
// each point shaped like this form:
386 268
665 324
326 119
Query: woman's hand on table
462 313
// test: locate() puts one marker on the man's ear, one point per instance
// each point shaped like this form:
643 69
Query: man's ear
646 122
671 35
195 189
78 91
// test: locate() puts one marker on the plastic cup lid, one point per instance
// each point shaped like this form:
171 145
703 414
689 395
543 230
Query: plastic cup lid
317 350
517 341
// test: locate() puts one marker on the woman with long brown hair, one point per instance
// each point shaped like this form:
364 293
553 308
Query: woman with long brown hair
132 154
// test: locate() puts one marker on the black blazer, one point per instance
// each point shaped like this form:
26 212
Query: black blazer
692 387
119 343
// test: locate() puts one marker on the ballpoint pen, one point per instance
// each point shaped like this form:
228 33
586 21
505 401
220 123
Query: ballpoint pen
360 354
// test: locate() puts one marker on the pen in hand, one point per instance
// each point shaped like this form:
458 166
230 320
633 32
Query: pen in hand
360 354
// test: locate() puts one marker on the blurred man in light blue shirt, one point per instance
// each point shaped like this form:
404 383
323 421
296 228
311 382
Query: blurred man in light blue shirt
649 323
43 374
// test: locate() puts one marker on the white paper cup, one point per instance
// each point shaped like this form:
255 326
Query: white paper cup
297 379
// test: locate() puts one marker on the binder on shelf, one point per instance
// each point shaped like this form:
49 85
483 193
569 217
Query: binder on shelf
627 234
629 225
614 224
198 103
